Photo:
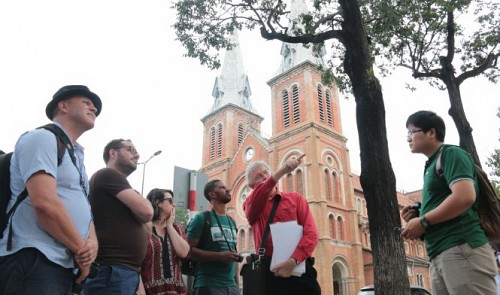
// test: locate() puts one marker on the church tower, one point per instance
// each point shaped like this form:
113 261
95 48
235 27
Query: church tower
306 120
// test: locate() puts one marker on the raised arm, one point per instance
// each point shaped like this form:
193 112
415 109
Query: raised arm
288 167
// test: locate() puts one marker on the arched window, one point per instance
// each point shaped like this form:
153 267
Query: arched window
420 279
328 185
328 100
295 102
321 108
358 207
335 189
331 226
219 140
300 181
286 109
340 228
289 182
240 133
212 143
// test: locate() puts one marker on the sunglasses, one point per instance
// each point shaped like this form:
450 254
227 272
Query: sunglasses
170 200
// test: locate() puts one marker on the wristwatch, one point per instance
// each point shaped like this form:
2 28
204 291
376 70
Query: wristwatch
424 222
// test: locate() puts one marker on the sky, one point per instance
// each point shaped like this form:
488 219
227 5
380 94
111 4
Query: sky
126 52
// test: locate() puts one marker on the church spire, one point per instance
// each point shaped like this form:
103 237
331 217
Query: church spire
295 54
231 86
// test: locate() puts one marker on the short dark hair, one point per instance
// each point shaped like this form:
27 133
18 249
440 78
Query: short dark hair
209 187
154 196
426 120
112 145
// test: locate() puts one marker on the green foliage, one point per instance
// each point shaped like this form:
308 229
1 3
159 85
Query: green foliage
424 36
181 216
205 27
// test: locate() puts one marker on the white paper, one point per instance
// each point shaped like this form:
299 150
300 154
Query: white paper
286 237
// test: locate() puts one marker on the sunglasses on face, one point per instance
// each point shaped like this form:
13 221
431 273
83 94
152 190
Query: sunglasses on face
170 200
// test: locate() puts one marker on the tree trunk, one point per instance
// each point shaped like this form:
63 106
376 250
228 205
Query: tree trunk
457 112
377 177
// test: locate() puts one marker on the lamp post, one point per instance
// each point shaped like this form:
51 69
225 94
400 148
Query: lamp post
144 169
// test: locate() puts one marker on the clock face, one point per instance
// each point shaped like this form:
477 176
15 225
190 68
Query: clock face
249 154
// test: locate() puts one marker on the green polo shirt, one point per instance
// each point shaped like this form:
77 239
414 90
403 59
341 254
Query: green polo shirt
456 164
214 273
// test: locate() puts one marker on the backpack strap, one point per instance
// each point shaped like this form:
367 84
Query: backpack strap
63 143
439 166
262 249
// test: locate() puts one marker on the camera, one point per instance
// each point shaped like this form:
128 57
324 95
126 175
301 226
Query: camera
78 288
240 258
416 206
398 231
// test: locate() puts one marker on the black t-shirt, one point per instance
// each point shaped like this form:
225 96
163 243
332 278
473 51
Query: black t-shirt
122 238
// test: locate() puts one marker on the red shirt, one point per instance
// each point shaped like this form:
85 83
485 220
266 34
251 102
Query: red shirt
292 206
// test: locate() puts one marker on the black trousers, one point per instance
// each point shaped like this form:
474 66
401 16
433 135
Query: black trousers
306 284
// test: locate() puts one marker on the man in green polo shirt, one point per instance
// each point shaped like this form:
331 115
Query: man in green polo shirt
461 260
217 257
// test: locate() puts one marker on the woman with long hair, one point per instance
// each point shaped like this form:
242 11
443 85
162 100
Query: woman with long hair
161 268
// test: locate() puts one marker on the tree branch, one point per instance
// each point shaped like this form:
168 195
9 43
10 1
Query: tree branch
306 38
490 62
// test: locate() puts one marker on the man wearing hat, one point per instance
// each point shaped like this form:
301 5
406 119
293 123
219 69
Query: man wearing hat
52 229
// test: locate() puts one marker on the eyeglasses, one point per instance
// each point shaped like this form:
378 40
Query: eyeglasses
130 149
411 132
170 200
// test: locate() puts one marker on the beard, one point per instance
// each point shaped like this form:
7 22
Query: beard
227 199
124 165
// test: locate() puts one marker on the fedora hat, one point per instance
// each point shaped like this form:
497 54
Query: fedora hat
69 91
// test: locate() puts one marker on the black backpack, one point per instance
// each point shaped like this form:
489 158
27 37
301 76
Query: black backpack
188 266
63 143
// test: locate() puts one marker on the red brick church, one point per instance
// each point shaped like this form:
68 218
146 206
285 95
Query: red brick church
305 119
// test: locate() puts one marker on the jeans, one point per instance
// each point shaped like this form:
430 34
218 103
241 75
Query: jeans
112 279
462 270
29 272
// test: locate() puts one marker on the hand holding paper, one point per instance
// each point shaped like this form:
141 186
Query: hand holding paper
286 237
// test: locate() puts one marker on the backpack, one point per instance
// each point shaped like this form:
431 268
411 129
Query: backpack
488 203
63 143
188 267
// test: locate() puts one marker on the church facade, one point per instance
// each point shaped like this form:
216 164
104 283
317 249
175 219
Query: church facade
306 119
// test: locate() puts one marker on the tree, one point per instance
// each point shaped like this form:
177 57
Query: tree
444 41
494 163
181 216
203 27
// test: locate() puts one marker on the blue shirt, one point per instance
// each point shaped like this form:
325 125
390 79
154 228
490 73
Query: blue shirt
36 151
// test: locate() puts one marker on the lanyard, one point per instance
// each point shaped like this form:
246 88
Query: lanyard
222 231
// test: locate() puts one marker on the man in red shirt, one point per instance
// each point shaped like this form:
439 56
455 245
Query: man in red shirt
292 207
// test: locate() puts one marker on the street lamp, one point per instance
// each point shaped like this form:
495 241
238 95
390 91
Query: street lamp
144 169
